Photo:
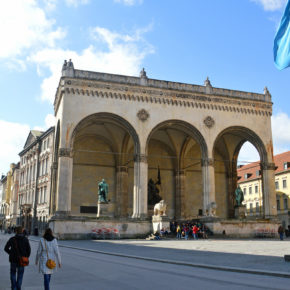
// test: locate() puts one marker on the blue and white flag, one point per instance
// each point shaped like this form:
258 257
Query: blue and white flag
282 41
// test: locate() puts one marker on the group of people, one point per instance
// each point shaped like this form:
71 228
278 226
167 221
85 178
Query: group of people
185 230
18 247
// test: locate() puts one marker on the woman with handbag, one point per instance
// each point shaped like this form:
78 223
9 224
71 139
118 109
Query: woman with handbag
47 256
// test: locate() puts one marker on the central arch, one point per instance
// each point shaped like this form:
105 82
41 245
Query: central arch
175 150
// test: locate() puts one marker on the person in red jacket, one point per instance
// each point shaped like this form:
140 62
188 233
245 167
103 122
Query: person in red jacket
195 230
17 246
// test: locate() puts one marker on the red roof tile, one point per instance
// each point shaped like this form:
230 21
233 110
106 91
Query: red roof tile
251 168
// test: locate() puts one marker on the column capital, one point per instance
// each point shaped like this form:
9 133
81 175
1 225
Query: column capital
65 152
207 162
140 158
180 172
122 169
268 166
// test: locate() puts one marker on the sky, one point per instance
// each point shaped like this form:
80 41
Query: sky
229 41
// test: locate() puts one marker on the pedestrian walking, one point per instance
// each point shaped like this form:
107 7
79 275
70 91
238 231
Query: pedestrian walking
281 232
17 247
47 256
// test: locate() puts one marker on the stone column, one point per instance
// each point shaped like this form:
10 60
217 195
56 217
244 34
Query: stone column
64 184
269 193
180 205
140 195
122 191
232 185
208 176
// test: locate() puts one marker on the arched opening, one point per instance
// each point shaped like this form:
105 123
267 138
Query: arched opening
228 170
175 150
103 148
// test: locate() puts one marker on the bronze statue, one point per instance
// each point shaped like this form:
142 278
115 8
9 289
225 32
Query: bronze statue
103 191
153 192
239 196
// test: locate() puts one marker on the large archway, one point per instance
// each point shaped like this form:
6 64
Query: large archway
225 152
175 150
104 146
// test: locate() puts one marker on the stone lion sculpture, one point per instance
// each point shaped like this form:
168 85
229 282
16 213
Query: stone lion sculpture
160 208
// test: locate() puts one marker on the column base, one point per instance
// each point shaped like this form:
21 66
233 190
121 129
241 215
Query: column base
159 222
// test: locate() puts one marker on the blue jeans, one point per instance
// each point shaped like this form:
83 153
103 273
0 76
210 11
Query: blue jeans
178 236
46 281
16 281
195 236
281 236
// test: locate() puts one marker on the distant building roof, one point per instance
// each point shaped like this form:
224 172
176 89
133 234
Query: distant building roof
253 170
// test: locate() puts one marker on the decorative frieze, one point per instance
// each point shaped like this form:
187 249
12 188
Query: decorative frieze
149 95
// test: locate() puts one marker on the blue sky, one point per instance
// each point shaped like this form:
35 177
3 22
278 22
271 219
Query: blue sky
185 41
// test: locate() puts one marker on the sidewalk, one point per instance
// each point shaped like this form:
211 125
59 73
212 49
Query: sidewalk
256 256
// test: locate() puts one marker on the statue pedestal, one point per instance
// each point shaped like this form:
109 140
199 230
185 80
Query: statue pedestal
160 222
240 212
103 210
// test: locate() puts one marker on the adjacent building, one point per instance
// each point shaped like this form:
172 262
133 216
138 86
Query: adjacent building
250 180
35 177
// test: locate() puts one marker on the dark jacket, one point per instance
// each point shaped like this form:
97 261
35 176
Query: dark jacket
22 246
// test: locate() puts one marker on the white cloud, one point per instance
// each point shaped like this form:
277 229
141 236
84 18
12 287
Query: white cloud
271 5
13 137
280 130
129 2
25 26
123 54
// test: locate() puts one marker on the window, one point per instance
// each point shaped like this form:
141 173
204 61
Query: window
278 204
285 165
245 191
285 203
246 176
250 190
256 188
257 207
44 195
257 172
251 208
277 184
284 183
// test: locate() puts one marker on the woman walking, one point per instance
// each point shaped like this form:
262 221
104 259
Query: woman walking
47 251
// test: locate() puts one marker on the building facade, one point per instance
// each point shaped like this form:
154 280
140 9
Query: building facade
250 180
35 179
133 130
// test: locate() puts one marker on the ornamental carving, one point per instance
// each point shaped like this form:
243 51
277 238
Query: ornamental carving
209 122
143 115
207 162
64 152
140 158
268 166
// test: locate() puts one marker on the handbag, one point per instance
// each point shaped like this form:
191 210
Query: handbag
22 261
50 264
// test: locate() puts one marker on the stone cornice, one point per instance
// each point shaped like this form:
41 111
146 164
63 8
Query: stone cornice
230 103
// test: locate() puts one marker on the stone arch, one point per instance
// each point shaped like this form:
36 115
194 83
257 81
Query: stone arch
193 132
109 116
180 160
103 145
225 153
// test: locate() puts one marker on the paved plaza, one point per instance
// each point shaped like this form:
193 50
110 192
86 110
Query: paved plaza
212 263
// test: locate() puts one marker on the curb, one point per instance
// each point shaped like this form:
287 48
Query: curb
205 266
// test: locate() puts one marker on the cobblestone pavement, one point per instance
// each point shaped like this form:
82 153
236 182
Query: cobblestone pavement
256 254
